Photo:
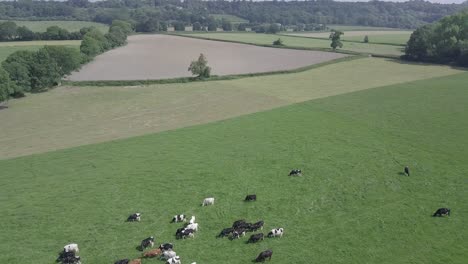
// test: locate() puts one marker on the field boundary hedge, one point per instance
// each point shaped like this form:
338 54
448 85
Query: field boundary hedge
343 40
212 78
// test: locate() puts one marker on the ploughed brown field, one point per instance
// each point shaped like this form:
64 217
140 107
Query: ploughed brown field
164 56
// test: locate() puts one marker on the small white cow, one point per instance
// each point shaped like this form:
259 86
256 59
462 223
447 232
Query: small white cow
71 248
168 254
192 220
276 232
193 226
174 260
208 201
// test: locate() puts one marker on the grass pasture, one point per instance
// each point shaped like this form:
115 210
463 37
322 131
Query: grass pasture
351 205
41 26
37 123
388 37
359 28
301 42
6 48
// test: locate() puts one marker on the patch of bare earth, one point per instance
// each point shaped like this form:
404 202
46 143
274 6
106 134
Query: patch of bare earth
163 56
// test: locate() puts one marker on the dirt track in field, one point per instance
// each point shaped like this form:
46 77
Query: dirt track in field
351 33
163 56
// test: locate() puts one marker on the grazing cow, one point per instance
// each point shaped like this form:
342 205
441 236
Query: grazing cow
295 172
276 232
147 242
193 226
226 232
71 248
442 212
68 258
192 220
152 253
134 217
237 233
135 261
239 224
255 238
251 197
256 226
264 255
174 260
178 218
179 231
168 254
122 261
187 233
166 246
407 170
208 201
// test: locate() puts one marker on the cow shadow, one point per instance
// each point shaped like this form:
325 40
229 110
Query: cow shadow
3 107
401 173
139 248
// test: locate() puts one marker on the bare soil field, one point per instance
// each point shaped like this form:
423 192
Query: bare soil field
352 33
162 56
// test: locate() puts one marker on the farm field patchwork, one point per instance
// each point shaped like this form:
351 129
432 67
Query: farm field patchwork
352 204
72 116
6 48
392 37
41 26
164 56
298 42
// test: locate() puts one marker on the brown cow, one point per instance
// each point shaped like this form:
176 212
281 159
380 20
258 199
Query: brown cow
152 253
135 261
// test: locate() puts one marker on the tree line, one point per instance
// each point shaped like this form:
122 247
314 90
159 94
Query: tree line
445 41
9 31
37 71
409 14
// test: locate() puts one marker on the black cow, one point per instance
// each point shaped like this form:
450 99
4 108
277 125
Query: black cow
407 170
225 232
295 172
166 246
255 238
442 212
134 217
251 197
68 258
237 233
122 261
264 255
147 242
239 223
256 226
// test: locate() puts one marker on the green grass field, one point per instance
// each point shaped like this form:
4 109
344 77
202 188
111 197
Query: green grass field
230 18
301 42
400 39
351 206
358 28
37 123
378 37
41 26
6 48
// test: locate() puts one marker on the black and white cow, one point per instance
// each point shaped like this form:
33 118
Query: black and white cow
179 218
134 217
251 197
68 258
238 233
174 260
225 232
166 246
147 242
255 238
186 232
264 255
442 212
295 172
168 254
122 261
276 232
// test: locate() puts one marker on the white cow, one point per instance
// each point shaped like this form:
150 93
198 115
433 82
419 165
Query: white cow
276 232
192 220
174 260
168 254
193 226
208 201
71 248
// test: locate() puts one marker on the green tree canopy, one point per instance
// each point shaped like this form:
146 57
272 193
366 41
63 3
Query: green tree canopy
335 37
200 67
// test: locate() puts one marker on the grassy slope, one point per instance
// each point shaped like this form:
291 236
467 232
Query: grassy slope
6 48
356 28
400 39
351 206
301 42
41 26
37 123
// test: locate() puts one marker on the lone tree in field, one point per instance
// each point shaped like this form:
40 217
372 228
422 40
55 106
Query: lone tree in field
335 37
278 42
366 39
200 67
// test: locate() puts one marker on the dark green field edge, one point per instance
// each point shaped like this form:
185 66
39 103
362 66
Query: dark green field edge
291 47
353 41
212 78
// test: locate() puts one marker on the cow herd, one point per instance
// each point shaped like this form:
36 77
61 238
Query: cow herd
238 229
